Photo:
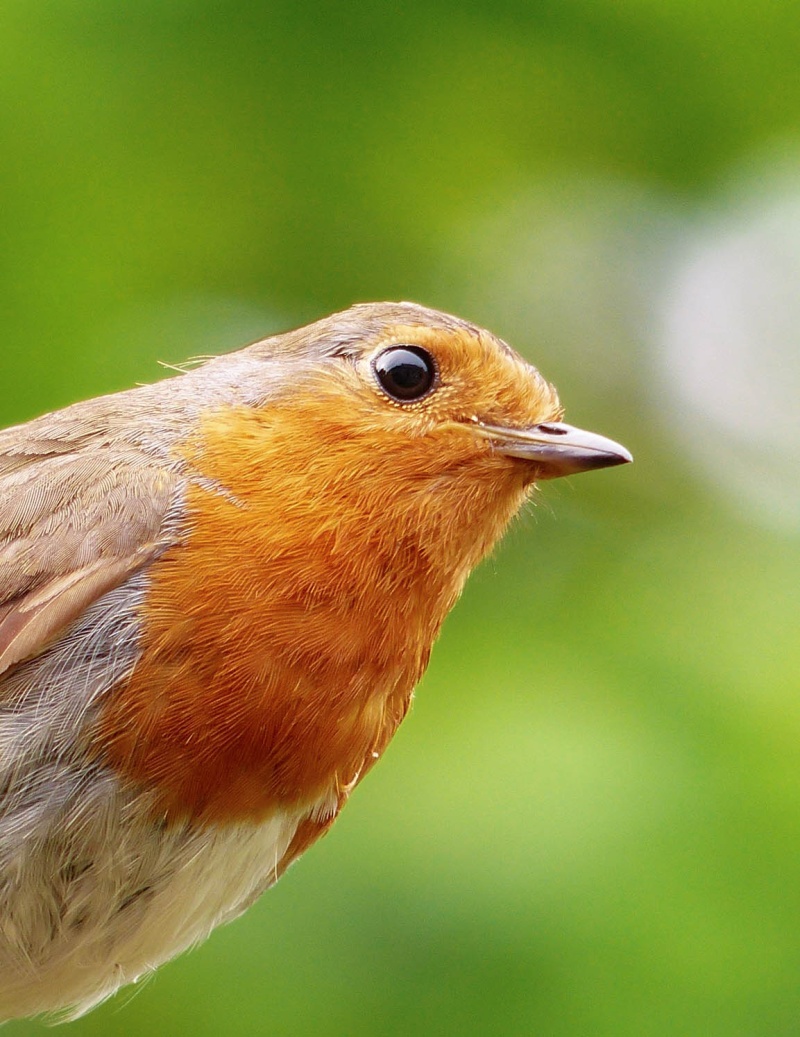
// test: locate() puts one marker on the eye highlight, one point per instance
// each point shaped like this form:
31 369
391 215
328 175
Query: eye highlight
406 373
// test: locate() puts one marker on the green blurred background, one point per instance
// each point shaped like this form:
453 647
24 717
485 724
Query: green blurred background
590 824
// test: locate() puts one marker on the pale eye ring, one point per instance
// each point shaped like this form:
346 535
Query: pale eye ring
406 373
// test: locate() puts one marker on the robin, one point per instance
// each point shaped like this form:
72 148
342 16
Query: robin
217 594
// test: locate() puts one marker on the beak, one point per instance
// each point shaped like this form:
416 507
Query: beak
555 448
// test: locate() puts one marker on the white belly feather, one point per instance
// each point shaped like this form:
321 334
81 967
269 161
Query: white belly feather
80 921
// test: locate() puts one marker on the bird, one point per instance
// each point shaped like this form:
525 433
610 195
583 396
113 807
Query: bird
217 594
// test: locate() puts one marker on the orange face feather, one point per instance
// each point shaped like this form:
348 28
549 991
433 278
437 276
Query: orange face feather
331 534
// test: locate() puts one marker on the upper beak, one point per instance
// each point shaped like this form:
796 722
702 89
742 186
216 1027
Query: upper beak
557 449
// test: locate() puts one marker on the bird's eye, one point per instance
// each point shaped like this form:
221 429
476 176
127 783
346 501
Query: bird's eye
406 373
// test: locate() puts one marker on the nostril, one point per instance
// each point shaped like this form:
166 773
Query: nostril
552 430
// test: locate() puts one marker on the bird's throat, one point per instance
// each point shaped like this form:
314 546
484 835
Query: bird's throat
281 641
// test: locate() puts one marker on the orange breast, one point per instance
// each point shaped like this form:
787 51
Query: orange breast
282 641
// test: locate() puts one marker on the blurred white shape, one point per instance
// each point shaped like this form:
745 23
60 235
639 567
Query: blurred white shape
567 272
593 278
729 351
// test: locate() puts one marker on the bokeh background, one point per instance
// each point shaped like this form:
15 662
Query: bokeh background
590 824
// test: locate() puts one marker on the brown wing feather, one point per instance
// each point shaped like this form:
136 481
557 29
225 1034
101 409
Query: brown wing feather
73 524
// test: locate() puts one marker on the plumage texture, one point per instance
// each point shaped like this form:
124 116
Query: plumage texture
216 596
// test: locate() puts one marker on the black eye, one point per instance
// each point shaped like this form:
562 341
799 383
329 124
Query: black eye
405 372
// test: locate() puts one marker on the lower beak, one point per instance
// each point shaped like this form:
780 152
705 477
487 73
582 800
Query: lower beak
555 448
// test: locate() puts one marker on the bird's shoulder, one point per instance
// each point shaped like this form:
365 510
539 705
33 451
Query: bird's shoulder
85 501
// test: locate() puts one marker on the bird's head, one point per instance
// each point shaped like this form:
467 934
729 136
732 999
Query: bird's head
425 372
406 372
398 420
